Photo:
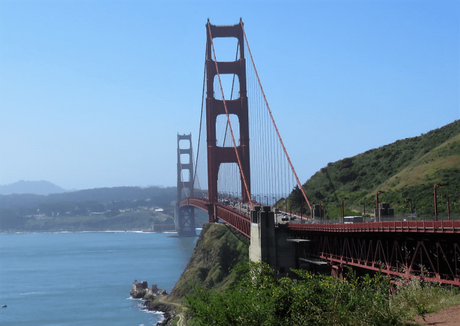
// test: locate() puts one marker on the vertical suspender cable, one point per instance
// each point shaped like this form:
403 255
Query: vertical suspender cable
199 133
273 120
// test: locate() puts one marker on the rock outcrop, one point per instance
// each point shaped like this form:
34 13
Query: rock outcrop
141 290
217 251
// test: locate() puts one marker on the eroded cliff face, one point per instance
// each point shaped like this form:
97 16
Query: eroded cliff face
217 251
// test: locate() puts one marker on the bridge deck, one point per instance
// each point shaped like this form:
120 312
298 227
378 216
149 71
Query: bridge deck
427 250
236 218
379 227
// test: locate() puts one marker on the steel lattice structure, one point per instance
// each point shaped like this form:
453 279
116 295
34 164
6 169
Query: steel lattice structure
426 250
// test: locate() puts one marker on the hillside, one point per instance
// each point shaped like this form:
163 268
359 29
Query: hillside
115 196
119 208
217 251
407 168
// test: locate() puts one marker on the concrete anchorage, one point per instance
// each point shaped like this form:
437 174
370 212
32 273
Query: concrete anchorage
269 242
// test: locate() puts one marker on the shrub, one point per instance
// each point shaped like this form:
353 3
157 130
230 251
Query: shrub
260 298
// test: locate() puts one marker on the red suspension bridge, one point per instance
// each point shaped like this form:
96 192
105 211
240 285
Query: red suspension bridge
241 163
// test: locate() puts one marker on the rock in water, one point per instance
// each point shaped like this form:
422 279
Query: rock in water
138 290
142 291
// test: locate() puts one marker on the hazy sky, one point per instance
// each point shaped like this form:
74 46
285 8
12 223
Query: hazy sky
93 93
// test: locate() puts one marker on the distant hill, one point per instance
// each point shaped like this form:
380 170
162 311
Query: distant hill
31 187
118 208
407 168
116 196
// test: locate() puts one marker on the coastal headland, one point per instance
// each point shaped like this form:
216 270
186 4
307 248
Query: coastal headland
218 249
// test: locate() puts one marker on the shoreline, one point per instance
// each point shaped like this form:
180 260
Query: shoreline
168 311
79 231
153 300
93 231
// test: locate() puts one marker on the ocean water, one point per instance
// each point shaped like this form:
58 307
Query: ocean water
85 278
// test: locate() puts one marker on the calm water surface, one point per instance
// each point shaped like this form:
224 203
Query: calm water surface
85 278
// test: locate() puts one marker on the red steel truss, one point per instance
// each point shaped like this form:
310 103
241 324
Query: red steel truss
392 227
426 250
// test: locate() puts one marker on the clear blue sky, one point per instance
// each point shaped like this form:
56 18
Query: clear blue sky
93 93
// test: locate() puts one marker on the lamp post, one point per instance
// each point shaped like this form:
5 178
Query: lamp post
448 207
290 210
301 208
364 208
321 210
267 199
410 201
343 211
435 201
377 211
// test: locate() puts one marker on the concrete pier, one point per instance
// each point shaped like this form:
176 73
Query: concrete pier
269 242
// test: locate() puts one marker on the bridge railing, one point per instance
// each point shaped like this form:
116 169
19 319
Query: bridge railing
235 218
195 202
232 216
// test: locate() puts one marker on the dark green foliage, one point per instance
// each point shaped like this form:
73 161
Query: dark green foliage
260 298
359 177
297 196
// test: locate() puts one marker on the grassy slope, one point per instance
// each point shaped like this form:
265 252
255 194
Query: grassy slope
444 157
217 251
407 168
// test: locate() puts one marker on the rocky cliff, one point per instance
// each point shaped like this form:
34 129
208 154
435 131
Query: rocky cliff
218 250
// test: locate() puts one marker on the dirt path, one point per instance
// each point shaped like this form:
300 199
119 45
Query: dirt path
181 315
449 316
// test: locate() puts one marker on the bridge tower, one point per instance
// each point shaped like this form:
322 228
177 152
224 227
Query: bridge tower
185 215
238 107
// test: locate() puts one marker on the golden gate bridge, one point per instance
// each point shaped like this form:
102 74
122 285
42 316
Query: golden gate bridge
241 164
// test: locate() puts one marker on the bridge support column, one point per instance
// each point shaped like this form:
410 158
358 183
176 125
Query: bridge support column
212 213
185 215
218 153
186 222
269 242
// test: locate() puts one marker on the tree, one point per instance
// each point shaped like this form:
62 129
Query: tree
297 197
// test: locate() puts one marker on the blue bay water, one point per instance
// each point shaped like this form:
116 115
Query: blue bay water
85 278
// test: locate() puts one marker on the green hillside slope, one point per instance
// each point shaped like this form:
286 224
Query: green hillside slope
407 168
217 251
